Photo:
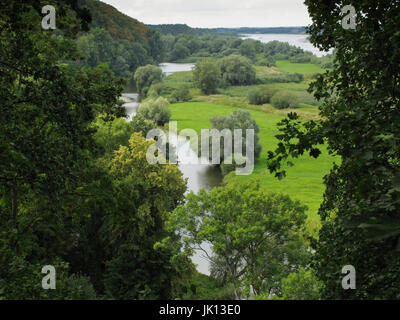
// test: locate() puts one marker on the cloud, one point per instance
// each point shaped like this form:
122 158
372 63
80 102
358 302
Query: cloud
216 13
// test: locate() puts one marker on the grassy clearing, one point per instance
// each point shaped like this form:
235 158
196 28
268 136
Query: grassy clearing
303 68
304 181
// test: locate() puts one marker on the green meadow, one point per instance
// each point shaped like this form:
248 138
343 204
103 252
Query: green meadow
303 68
304 181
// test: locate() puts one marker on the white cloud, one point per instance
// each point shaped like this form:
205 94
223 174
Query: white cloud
216 13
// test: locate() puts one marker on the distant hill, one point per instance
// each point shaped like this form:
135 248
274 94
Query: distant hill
176 29
119 25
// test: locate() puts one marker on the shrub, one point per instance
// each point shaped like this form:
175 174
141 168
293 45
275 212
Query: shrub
156 110
284 100
260 96
181 94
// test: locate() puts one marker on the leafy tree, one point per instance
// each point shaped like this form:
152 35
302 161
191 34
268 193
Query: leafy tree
253 235
360 123
247 49
179 51
284 100
207 76
146 194
146 76
156 110
238 119
237 70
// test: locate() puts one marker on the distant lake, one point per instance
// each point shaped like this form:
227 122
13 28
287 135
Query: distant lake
298 40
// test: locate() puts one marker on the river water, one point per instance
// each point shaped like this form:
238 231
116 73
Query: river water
298 40
199 175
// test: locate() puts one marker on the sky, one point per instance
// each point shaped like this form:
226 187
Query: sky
216 13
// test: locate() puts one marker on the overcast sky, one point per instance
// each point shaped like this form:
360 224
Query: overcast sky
216 13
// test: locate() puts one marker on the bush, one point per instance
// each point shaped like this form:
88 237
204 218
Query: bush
260 96
266 61
156 110
181 94
284 100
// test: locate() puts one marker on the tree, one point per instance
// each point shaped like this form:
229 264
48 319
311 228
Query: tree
206 76
146 194
247 49
238 119
146 76
156 110
253 235
180 51
237 70
360 123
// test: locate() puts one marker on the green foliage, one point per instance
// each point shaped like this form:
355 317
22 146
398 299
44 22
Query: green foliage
202 287
363 188
301 285
181 94
268 61
139 268
260 95
280 78
111 135
142 125
239 119
284 100
157 89
146 76
156 110
238 161
237 70
251 232
206 76
180 51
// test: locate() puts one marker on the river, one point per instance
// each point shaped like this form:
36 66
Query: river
199 176
298 40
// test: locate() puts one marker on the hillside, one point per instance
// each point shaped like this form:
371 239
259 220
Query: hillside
119 25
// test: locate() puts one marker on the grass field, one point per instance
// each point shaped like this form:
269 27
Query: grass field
304 181
303 68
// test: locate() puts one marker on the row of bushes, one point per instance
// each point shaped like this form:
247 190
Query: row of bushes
280 78
279 99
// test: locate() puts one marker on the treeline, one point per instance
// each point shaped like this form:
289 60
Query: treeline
176 29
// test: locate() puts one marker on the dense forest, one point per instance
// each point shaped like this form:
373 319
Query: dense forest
79 192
